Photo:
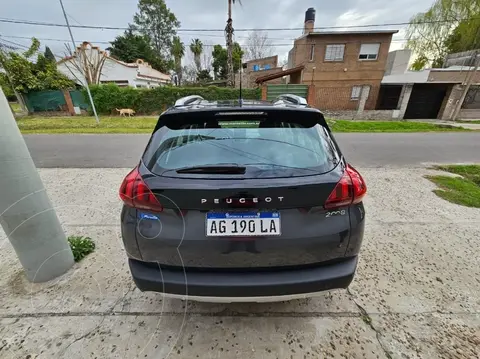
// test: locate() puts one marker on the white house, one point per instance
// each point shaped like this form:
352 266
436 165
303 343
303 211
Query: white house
100 65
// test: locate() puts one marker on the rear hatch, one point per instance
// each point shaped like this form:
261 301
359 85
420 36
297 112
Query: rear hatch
242 190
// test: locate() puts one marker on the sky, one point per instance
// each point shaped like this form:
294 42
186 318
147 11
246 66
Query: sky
201 14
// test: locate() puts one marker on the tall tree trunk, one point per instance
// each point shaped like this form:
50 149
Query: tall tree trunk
229 39
198 62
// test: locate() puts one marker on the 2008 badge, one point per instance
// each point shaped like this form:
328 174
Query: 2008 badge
335 213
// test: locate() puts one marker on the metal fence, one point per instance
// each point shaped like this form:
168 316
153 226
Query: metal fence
42 101
273 91
54 101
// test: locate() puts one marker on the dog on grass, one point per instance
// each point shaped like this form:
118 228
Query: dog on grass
126 111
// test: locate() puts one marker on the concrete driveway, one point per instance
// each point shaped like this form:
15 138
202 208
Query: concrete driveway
416 293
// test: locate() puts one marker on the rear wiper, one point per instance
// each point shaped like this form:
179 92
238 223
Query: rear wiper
214 169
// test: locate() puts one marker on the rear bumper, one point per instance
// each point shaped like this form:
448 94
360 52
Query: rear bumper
244 286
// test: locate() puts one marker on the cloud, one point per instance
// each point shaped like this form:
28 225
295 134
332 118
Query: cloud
204 14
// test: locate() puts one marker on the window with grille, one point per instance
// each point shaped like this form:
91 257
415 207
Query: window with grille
356 91
369 51
334 52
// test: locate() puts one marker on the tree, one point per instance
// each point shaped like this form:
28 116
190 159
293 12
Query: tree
86 63
230 46
178 51
196 47
464 37
204 76
155 21
220 60
49 54
130 46
189 75
5 85
428 33
25 76
258 46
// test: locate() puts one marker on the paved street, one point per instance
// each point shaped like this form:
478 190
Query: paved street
361 149
416 292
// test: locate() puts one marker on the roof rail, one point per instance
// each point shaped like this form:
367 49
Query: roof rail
292 99
188 100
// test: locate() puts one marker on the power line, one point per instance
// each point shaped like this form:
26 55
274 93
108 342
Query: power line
40 23
204 45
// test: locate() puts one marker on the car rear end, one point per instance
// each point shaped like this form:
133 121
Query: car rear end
242 204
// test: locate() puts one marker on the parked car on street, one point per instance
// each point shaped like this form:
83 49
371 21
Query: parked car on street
244 201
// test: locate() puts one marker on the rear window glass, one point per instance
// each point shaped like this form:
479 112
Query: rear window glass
263 147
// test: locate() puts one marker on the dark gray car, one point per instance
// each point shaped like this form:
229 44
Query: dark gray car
242 202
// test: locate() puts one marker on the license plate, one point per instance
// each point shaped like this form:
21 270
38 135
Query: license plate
243 224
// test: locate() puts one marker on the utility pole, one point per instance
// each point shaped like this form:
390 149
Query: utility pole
74 47
229 43
229 40
468 83
26 213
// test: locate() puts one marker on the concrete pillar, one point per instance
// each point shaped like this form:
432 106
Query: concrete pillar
363 100
26 213
264 92
404 99
451 103
68 100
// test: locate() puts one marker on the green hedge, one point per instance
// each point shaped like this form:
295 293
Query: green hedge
154 101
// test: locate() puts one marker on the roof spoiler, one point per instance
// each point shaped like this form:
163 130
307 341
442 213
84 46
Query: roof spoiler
292 99
188 100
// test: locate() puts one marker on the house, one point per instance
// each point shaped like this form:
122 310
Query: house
431 93
340 64
254 69
138 74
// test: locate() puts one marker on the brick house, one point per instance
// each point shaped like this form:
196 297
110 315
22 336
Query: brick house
340 64
256 68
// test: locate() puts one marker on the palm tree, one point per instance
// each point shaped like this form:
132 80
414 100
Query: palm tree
229 38
178 51
196 47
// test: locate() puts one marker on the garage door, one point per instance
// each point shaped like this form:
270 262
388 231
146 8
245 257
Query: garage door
425 101
276 90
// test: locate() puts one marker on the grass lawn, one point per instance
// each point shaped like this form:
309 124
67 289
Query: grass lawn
463 190
15 107
82 124
138 124
388 126
466 121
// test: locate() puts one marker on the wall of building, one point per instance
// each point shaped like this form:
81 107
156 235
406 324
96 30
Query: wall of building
355 115
271 61
112 71
298 54
248 78
334 80
397 62
350 68
335 95
451 76
466 114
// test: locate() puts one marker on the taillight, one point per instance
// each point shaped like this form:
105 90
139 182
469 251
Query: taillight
135 193
349 190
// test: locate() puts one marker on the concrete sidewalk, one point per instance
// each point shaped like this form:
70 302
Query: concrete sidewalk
416 293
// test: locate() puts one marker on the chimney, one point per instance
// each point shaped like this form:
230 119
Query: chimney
309 21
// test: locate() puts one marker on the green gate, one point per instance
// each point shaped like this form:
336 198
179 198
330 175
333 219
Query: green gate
45 101
276 90
79 100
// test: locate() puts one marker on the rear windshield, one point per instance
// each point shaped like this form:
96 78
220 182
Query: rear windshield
266 149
